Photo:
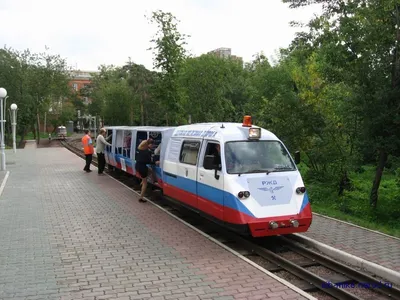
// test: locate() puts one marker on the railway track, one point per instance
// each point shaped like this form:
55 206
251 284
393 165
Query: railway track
314 273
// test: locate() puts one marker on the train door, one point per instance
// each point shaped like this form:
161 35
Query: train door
125 158
119 143
210 190
187 172
140 136
109 151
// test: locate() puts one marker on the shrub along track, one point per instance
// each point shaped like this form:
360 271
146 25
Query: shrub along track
322 277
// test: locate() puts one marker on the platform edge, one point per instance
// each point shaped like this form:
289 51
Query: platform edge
376 269
358 226
3 184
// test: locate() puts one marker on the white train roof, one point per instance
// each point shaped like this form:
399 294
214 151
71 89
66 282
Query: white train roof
140 128
220 131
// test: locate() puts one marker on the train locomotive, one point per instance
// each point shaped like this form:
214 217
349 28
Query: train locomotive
61 132
236 174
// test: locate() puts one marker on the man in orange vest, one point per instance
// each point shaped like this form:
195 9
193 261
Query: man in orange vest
88 149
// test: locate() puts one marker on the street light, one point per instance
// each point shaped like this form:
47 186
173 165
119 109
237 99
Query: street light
14 109
3 94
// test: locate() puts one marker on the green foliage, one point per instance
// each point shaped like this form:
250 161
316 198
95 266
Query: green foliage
35 82
212 88
333 94
354 206
169 56
112 97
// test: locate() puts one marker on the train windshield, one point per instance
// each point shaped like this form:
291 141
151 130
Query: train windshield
257 157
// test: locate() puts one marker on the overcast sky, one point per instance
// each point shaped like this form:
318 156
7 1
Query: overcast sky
92 32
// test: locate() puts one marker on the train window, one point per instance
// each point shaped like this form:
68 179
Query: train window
126 152
214 149
157 137
119 141
189 152
140 136
109 139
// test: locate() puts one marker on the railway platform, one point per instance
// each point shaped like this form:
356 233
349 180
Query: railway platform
374 251
68 234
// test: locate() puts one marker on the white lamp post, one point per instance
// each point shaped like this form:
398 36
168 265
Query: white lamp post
14 109
3 94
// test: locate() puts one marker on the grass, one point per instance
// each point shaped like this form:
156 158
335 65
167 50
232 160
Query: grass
353 206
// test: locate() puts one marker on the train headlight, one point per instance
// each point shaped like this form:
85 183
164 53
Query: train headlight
245 194
254 133
301 190
294 223
273 225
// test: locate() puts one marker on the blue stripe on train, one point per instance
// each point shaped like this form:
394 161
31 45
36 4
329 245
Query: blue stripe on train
205 191
131 164
128 161
215 195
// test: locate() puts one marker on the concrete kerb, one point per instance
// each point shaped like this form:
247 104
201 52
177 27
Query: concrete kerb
283 281
350 224
386 273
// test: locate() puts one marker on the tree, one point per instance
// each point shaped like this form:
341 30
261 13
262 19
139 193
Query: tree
34 82
140 80
208 86
113 97
367 35
169 56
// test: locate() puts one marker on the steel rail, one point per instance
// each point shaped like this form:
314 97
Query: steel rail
300 272
339 267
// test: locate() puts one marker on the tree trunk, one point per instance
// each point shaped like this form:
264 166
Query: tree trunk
38 129
141 111
34 131
344 183
383 157
25 131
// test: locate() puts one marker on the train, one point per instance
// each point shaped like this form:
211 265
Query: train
238 175
61 132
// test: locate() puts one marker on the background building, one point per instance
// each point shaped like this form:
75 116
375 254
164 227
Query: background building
225 53
81 80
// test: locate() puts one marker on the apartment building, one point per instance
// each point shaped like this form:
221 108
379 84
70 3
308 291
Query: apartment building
79 80
225 53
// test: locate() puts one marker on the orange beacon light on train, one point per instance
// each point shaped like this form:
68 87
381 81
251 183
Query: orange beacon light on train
247 121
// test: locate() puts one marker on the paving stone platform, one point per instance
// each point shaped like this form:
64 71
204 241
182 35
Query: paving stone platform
67 234
371 246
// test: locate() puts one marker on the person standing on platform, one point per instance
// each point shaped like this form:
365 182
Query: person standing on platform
101 142
88 150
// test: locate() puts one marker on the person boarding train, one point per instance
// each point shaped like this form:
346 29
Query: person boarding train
143 158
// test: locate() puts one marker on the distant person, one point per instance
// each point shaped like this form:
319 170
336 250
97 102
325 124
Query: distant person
88 150
101 142
143 158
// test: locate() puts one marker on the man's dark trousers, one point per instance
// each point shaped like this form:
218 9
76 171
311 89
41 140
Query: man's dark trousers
89 158
102 162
